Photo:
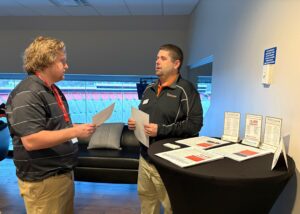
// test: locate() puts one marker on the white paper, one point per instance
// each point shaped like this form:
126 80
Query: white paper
269 147
189 156
272 133
202 142
141 118
280 149
284 153
252 130
231 126
103 115
239 152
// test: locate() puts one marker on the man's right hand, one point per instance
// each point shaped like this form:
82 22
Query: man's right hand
84 130
48 138
131 124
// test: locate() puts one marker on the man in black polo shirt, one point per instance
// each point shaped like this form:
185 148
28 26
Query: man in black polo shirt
175 110
44 139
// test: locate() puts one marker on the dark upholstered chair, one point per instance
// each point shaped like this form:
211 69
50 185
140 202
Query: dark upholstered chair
4 140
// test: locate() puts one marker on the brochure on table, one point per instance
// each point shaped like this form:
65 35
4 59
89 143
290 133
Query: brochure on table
202 142
231 126
272 134
239 152
253 130
280 150
189 156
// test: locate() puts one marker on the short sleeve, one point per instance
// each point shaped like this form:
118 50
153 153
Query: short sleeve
26 113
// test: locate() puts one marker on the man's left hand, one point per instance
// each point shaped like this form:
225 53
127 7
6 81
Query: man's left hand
151 129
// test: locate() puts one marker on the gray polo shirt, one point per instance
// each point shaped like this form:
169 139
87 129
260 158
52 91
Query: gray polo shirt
32 107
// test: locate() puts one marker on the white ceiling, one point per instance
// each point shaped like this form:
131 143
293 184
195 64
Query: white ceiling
96 7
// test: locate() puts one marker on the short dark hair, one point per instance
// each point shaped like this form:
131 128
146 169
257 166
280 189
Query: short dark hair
175 52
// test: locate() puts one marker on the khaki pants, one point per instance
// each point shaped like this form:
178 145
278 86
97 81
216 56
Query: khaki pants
151 190
53 195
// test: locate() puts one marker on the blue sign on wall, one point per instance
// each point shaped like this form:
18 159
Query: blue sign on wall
270 56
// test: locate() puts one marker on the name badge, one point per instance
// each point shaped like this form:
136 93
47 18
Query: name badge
145 101
171 95
74 140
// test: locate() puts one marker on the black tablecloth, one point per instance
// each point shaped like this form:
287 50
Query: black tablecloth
222 186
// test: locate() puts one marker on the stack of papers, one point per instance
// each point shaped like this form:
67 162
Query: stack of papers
239 152
231 126
189 156
202 142
253 130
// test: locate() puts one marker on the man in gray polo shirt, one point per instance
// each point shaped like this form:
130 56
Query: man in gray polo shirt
44 139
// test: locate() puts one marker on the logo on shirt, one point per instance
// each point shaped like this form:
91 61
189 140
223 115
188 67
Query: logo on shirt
145 101
171 95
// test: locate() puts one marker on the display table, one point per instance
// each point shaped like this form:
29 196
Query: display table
222 186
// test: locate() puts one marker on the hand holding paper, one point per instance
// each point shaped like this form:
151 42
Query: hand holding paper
141 119
151 129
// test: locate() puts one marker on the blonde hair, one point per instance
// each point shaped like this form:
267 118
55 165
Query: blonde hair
41 53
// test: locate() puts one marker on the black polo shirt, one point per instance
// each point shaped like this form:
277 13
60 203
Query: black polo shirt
32 107
177 110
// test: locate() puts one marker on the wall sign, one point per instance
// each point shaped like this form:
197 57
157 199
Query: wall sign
269 64
270 56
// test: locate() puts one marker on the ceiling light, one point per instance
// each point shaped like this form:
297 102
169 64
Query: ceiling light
70 3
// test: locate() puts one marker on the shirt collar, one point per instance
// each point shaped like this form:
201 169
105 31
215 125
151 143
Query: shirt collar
38 80
172 85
